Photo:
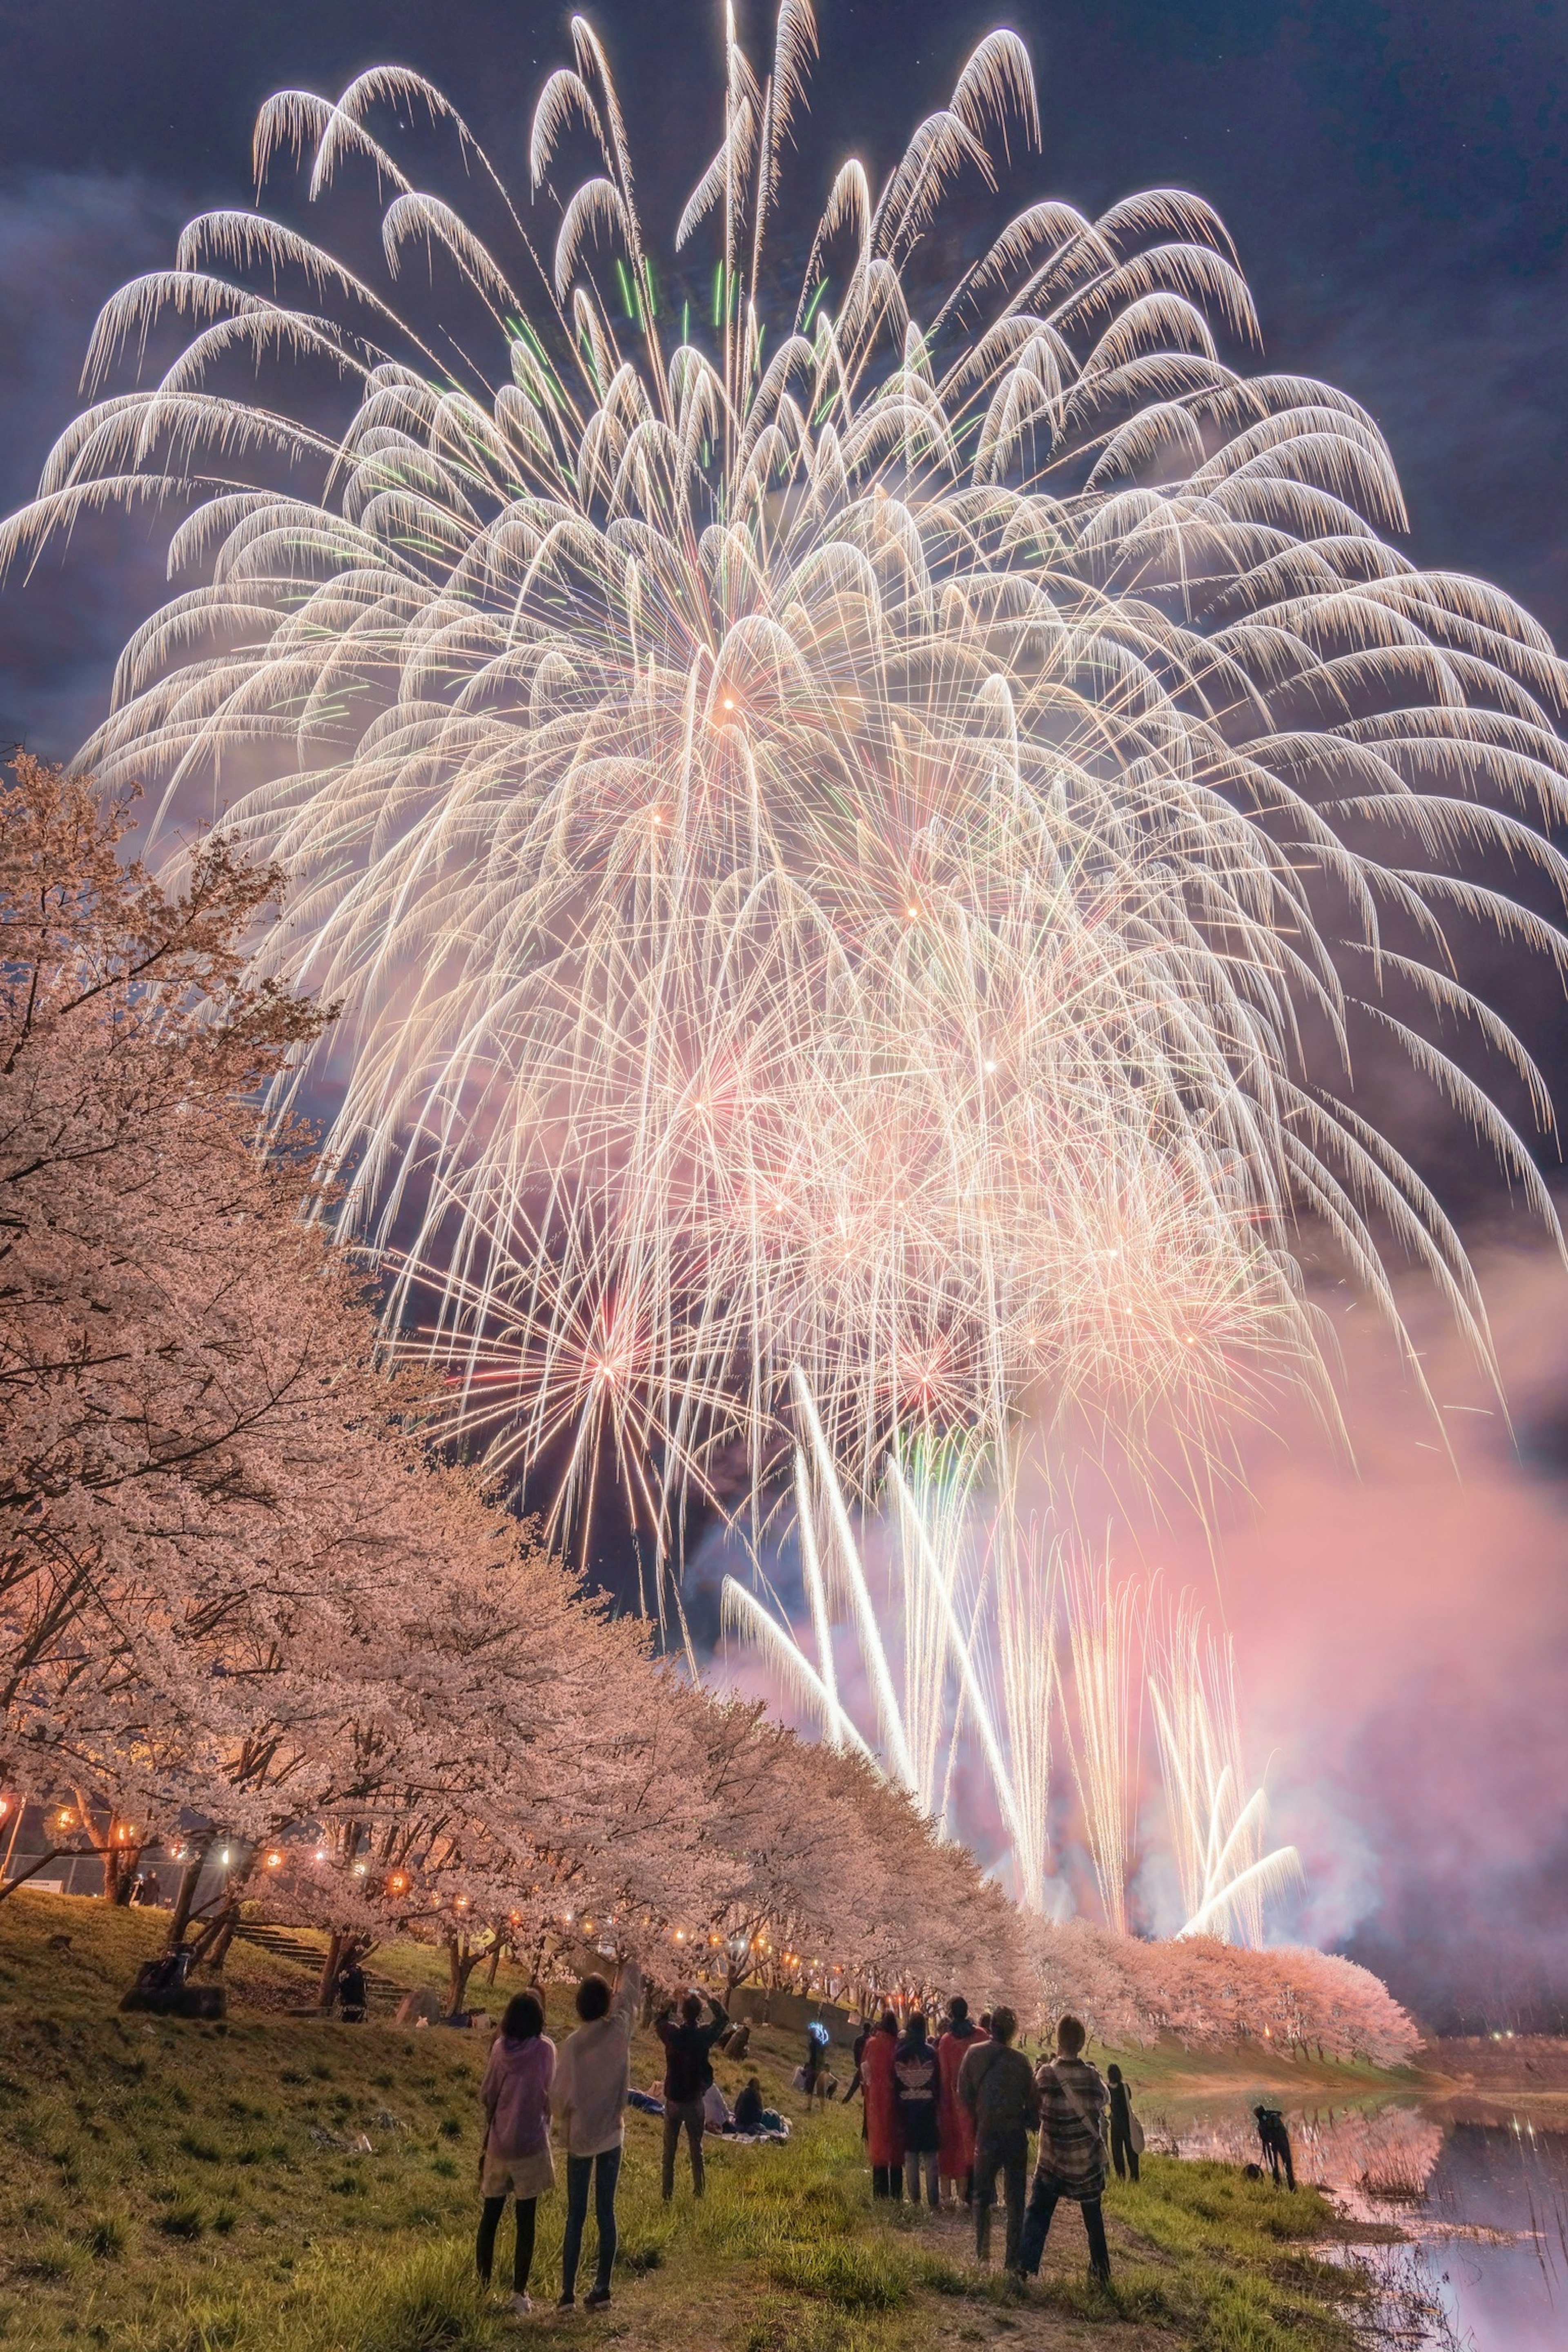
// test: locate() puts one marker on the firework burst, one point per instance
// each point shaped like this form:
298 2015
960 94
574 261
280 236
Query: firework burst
830 827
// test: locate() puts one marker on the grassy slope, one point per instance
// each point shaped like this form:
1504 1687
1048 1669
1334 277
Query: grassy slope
178 2187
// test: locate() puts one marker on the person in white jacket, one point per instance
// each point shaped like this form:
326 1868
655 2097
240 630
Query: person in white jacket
588 2096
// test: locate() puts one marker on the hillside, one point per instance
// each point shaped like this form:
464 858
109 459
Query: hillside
288 2182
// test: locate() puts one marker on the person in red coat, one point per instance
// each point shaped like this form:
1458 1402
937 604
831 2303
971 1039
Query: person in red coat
955 2125
884 2133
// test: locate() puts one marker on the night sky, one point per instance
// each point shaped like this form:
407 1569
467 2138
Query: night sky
1395 178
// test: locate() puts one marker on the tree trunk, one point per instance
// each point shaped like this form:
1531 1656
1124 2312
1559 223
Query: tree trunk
495 1963
215 1936
189 1877
22 1876
329 1968
460 1966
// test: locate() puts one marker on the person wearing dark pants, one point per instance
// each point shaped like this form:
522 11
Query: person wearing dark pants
601 2173
1123 2155
522 2253
1009 2157
888 2180
515 2158
1073 2106
996 2085
688 2070
588 2096
1043 2203
1276 2140
682 2115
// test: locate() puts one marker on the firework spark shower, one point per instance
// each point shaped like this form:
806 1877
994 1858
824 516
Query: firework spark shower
864 823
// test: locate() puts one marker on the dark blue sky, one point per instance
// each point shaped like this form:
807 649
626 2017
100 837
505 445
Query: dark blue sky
1395 176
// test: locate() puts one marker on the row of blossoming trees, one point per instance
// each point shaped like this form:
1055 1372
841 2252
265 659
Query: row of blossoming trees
244 1608
240 1604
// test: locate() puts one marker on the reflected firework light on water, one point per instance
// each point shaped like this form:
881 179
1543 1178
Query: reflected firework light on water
833 817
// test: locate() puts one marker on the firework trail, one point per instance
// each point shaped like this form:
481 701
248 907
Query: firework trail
1219 1829
831 821
986 1650
1102 1635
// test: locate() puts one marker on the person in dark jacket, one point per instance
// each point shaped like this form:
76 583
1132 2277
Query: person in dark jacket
919 2081
996 2085
352 1994
1123 2155
748 2115
688 2070
1276 2141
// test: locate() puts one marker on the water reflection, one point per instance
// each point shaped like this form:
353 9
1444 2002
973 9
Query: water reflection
1484 2202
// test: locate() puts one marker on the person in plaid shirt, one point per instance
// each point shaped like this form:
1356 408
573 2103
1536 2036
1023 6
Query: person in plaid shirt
1074 2102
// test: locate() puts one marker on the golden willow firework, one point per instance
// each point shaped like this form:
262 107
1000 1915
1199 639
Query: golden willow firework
832 826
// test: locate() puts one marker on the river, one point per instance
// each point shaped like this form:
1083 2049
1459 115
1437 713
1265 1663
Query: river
1477 2183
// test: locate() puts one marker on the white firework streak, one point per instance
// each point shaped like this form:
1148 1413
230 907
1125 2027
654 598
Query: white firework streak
1218 1834
828 843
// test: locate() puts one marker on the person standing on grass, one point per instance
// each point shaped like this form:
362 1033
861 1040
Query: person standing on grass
1123 2154
515 2158
955 2127
996 2085
1071 2163
353 1994
688 2070
592 2076
880 2090
1276 2143
858 2053
918 2080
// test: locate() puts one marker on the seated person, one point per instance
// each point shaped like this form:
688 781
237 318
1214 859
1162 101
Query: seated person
749 2106
715 2114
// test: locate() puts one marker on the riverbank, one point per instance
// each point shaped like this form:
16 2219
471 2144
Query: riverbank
1489 2080
284 2181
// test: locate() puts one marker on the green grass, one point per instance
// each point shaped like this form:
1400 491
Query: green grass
177 2187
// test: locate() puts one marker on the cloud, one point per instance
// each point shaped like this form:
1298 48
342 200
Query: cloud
1402 1632
67 241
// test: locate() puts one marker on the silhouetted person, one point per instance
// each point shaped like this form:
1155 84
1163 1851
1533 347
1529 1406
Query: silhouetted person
1123 2155
996 2085
919 2083
1276 2143
688 2070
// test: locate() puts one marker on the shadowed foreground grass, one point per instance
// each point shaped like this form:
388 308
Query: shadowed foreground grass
286 2184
